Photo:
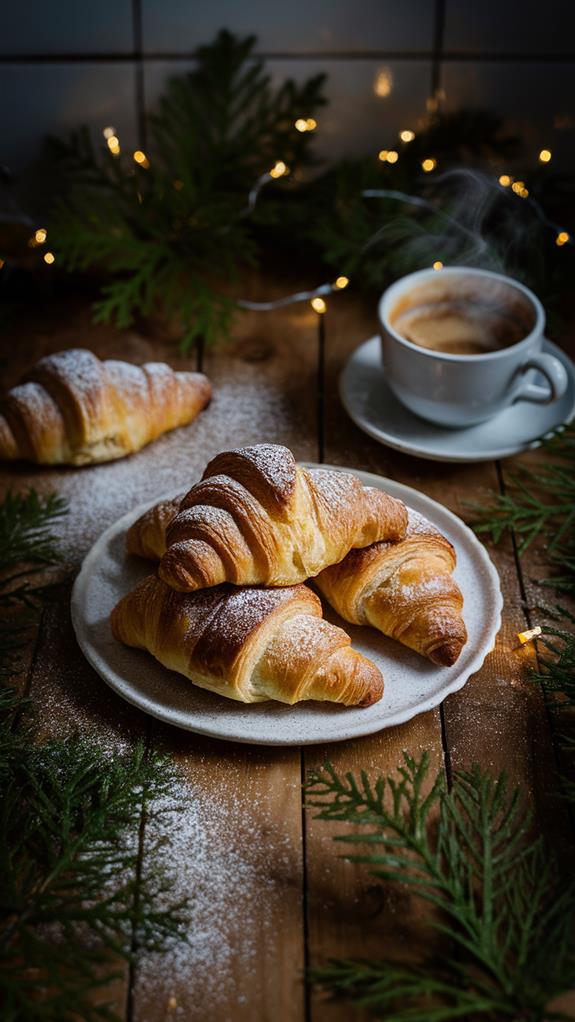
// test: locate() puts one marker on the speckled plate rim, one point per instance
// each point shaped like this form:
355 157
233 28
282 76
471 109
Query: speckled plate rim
447 453
267 730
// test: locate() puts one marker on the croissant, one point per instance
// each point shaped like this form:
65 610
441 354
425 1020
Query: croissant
147 536
75 409
256 517
404 589
248 644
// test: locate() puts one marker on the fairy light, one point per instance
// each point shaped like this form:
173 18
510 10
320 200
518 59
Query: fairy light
383 82
562 238
49 258
383 154
407 135
545 156
438 265
305 124
517 186
505 180
279 169
318 305
429 164
529 635
109 133
341 282
114 145
40 236
392 156
141 159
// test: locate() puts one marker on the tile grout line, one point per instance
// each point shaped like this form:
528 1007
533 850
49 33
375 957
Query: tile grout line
438 34
139 72
129 56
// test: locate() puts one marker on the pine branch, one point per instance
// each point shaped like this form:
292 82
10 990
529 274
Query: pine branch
541 505
27 545
173 235
72 904
470 853
71 901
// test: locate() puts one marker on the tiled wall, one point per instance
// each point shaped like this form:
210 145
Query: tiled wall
69 62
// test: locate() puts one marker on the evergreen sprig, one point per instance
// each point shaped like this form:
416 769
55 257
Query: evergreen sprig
72 904
540 504
173 235
27 544
501 906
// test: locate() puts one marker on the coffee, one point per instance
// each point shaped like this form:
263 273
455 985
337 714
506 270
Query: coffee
463 315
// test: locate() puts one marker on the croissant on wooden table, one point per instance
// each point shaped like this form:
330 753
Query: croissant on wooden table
249 644
74 409
404 589
256 517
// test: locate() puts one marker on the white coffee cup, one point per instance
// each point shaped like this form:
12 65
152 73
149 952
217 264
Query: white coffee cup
455 389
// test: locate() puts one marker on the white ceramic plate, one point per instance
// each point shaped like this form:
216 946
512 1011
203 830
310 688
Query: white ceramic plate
374 408
412 684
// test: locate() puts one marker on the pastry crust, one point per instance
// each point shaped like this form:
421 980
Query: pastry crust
249 644
405 589
256 517
75 409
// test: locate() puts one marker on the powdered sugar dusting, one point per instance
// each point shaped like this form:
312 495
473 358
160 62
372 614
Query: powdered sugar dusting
81 369
230 855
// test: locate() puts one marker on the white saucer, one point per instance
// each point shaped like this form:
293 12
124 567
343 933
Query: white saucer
370 403
412 684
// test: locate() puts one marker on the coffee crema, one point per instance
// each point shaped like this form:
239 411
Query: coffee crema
463 316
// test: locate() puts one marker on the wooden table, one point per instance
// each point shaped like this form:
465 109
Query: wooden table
269 894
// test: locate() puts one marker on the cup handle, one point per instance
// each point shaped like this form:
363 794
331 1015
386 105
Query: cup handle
555 374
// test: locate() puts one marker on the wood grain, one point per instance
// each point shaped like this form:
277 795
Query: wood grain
251 963
349 915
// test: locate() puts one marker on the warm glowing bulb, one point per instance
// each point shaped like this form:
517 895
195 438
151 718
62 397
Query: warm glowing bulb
382 155
142 159
109 133
524 193
40 236
505 180
279 169
113 142
341 282
518 187
383 82
545 155
429 164
438 265
562 238
301 124
407 136
318 305
311 124
49 258
392 156
530 634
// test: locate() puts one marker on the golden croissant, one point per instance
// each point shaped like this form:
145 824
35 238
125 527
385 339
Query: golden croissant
256 517
404 589
74 409
248 644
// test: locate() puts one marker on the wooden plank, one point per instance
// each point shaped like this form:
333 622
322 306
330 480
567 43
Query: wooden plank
498 719
348 913
255 795
238 849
